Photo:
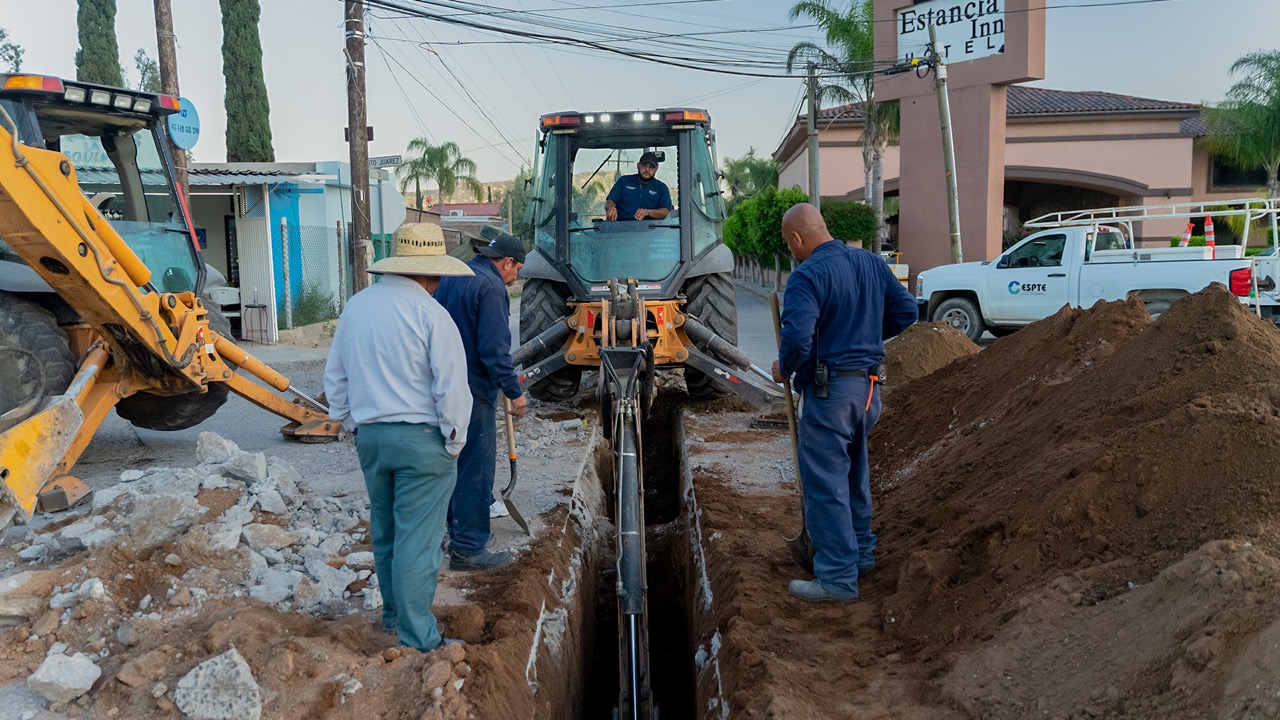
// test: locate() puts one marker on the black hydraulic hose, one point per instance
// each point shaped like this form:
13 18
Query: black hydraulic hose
546 342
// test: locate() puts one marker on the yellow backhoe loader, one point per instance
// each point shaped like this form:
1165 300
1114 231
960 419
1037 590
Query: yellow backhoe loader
100 290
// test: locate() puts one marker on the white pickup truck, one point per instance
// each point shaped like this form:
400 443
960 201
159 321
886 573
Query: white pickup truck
1072 265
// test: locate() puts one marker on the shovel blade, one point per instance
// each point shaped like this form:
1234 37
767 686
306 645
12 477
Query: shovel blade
802 550
511 506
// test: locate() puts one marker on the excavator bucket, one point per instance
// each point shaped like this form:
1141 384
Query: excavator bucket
31 450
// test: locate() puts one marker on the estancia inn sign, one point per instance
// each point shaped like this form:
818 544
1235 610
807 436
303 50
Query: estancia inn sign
967 29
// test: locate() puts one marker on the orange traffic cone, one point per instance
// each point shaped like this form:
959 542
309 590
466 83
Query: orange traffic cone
1186 236
1208 237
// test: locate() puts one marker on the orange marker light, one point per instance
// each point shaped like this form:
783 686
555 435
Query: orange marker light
33 82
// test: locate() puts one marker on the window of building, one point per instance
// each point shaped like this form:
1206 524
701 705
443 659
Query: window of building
1225 175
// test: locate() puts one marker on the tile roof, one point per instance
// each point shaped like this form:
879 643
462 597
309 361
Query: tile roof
1026 101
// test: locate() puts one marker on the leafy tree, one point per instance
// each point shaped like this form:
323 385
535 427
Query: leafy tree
755 227
148 71
10 53
1246 125
850 221
248 110
850 52
98 59
747 175
442 164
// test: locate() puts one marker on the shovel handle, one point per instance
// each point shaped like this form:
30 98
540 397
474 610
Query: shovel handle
790 400
511 433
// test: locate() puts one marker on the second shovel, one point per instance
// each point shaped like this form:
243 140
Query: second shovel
511 454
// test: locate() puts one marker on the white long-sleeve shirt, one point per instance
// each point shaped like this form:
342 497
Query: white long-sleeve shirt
397 357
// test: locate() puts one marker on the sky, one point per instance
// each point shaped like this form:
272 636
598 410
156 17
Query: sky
418 69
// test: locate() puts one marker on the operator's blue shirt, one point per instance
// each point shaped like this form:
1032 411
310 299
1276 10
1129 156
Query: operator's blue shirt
480 307
850 302
630 195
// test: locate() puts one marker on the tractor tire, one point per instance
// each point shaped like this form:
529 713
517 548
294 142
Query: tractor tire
712 302
177 412
962 314
26 326
542 303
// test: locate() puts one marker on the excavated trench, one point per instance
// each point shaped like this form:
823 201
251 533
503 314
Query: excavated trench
678 591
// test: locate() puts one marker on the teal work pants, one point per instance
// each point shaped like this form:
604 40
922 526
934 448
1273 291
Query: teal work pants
410 478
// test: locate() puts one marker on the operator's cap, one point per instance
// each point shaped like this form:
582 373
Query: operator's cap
649 157
503 246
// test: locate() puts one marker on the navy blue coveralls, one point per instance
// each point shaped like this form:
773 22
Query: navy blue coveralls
841 305
629 195
479 306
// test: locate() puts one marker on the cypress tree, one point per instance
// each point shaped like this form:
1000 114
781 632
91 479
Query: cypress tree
248 112
98 59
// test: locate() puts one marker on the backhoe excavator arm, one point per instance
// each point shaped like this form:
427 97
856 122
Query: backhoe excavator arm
145 340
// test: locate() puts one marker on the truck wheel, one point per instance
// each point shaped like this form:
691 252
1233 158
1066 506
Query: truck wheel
1156 308
542 303
962 314
177 412
712 302
25 325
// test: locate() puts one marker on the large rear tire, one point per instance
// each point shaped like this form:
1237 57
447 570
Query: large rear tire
712 302
543 303
178 412
26 325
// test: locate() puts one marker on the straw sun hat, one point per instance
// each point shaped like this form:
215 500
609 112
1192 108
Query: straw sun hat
419 250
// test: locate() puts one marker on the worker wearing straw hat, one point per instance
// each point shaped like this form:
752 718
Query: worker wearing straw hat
397 377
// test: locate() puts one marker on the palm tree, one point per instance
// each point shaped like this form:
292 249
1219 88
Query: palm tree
442 164
748 175
850 51
1245 127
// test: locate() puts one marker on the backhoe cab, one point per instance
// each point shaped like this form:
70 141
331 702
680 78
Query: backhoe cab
680 267
101 285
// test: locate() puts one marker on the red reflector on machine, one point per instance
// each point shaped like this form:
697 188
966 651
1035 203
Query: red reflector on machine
170 102
560 120
1241 282
687 116
33 82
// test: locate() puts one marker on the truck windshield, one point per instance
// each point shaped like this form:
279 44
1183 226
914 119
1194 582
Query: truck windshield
600 250
124 175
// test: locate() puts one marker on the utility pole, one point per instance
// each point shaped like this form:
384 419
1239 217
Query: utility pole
168 62
358 140
948 145
815 192
511 221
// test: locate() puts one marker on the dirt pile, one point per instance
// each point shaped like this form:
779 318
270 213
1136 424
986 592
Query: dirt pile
1083 456
922 349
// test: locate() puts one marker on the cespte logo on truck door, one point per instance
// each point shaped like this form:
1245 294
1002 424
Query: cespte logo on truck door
1017 288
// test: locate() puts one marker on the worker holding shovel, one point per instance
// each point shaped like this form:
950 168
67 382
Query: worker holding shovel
480 307
841 304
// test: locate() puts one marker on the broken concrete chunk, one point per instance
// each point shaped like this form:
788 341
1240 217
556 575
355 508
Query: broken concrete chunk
220 688
36 552
91 589
269 501
360 560
249 467
61 679
85 534
213 449
161 519
372 598
261 535
131 475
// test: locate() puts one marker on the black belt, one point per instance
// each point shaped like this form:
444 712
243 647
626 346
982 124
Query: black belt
851 373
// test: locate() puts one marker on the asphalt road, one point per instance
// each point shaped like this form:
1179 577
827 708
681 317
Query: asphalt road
118 446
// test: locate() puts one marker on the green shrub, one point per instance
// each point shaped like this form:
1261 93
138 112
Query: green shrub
313 306
850 221
1196 241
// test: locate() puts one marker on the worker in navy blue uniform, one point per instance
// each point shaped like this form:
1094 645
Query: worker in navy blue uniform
480 307
641 196
841 304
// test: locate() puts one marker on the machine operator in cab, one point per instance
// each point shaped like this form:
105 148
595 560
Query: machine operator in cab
641 196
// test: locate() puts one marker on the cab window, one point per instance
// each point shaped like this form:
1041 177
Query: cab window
1043 251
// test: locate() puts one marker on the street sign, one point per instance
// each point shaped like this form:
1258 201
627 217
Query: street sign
385 161
184 125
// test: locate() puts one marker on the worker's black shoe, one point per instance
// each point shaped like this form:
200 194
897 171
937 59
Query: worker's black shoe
818 591
483 560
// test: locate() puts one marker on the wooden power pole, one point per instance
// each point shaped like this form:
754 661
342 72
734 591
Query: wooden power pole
168 62
358 140
948 145
815 191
